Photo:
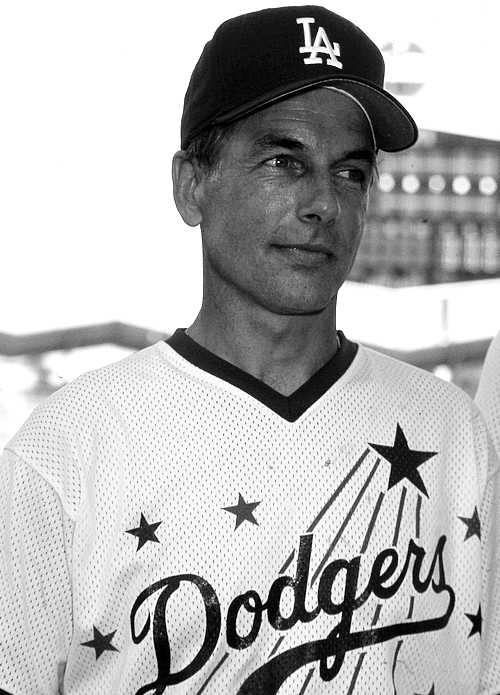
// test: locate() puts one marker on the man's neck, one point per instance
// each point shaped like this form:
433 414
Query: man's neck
282 351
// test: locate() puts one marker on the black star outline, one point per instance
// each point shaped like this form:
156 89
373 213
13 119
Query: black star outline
243 511
145 532
473 525
477 622
404 461
101 643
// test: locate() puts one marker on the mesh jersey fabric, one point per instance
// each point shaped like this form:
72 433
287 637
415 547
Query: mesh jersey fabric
166 531
488 391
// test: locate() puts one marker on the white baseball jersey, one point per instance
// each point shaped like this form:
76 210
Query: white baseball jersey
488 392
172 525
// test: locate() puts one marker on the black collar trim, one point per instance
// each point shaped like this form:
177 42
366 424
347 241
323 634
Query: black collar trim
288 407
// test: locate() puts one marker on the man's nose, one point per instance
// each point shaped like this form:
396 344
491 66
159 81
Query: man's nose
319 201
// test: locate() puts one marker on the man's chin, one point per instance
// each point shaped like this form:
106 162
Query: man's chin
302 307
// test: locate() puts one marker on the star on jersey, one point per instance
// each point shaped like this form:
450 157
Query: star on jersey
473 525
145 532
431 691
101 643
477 622
243 511
404 461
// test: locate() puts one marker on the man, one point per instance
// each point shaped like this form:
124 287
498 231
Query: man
488 392
259 506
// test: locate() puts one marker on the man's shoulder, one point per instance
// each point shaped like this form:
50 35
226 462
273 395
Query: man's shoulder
118 376
387 372
87 400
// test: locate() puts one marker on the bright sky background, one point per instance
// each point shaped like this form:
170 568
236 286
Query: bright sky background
91 94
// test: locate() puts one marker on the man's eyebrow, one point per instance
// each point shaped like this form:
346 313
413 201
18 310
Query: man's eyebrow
367 155
270 141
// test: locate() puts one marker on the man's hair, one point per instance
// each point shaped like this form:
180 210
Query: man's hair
206 148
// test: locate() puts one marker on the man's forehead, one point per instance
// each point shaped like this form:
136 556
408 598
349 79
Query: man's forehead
318 114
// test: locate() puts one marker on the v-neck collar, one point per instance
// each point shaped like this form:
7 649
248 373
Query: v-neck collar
288 407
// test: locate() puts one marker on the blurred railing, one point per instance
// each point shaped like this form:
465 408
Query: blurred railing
115 333
136 338
431 357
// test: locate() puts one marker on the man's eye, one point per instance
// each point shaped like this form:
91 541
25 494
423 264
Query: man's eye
280 161
287 164
356 175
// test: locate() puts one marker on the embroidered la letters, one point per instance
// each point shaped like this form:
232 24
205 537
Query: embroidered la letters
322 44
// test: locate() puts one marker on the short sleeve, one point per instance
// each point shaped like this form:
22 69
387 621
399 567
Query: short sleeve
35 556
488 392
490 539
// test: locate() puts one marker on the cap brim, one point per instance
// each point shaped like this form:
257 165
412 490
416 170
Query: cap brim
393 126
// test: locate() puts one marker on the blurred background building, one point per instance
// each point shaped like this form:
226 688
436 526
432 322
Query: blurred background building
434 214
434 224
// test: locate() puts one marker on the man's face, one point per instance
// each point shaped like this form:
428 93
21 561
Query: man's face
283 215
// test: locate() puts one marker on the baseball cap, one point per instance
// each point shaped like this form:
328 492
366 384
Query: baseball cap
258 58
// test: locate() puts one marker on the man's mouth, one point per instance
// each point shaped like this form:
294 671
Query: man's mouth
309 254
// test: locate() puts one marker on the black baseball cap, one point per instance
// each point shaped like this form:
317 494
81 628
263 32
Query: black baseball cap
261 57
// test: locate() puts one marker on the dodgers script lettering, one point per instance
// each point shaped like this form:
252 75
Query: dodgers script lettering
385 580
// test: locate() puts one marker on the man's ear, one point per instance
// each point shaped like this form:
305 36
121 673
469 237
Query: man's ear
187 181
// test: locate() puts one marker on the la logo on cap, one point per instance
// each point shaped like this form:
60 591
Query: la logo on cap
322 44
